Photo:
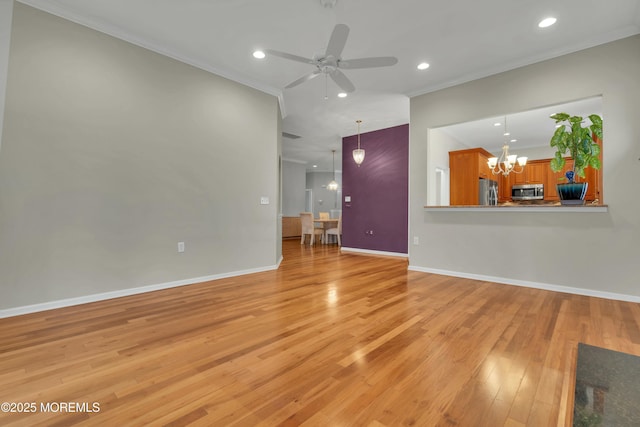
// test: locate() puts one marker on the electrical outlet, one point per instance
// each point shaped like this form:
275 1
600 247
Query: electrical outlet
264 200
416 240
180 247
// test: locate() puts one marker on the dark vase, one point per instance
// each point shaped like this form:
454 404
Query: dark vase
572 193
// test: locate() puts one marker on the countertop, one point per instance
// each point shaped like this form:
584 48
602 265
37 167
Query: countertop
521 207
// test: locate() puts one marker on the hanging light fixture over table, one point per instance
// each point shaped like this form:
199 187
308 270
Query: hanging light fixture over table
358 153
506 163
333 185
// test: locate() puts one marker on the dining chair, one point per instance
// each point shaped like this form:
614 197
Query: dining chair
306 222
321 226
336 231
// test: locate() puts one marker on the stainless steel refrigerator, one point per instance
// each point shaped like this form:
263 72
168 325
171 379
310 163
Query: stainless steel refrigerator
488 192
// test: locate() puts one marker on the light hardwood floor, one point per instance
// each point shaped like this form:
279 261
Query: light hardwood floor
329 339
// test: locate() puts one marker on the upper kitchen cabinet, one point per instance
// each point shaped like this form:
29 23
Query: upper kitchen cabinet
533 173
467 168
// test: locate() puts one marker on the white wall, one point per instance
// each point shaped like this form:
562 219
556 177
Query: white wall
112 154
294 176
596 252
324 200
6 13
440 143
535 153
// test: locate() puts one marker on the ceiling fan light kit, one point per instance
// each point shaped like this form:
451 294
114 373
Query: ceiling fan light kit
330 64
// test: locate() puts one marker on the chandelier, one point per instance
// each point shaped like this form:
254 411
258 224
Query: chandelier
333 185
358 153
506 163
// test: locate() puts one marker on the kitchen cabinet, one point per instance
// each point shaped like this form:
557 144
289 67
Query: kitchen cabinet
594 178
504 187
534 173
553 178
291 226
483 168
467 167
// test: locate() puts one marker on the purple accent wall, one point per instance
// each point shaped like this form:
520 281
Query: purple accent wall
379 191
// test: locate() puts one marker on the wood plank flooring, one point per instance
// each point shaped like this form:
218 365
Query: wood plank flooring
329 339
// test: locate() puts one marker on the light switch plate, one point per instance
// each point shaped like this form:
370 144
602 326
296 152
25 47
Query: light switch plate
264 200
347 199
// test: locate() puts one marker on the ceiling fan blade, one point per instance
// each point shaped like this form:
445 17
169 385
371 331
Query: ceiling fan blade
303 79
382 61
342 81
338 40
289 56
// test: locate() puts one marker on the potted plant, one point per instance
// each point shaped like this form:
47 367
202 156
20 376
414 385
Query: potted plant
581 144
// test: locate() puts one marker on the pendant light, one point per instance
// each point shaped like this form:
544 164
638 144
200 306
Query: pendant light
507 162
333 185
358 153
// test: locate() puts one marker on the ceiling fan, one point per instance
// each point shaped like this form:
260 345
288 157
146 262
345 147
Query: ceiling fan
330 64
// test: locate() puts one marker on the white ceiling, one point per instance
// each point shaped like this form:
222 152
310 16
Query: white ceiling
461 39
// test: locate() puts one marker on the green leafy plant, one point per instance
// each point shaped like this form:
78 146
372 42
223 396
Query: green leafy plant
578 141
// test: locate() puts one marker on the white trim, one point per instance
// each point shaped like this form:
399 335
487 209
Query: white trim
302 162
522 208
371 252
283 107
34 308
528 284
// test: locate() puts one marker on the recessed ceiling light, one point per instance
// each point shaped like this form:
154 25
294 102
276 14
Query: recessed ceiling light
513 140
497 124
423 66
342 95
258 54
506 134
547 22
315 166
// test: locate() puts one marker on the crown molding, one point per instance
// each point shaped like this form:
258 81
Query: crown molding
302 162
612 36
55 8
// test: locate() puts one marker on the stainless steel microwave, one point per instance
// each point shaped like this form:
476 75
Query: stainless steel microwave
527 192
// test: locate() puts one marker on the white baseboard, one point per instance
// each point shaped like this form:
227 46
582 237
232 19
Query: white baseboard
34 308
528 284
370 252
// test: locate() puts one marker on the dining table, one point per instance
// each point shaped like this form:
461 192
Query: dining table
326 223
